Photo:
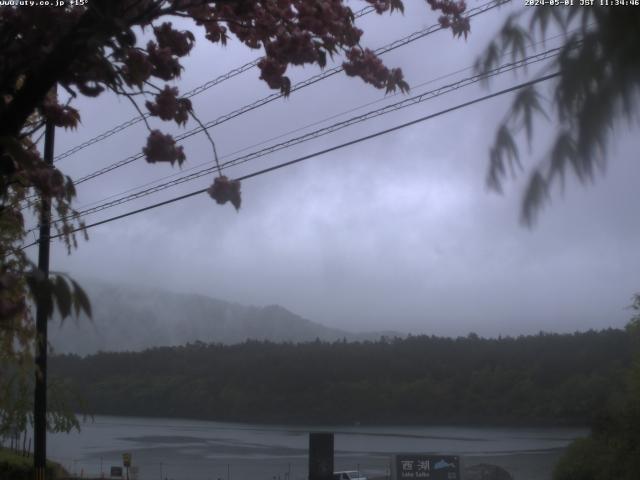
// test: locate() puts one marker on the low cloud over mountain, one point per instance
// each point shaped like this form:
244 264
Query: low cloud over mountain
135 318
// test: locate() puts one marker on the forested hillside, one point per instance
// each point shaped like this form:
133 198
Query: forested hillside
546 378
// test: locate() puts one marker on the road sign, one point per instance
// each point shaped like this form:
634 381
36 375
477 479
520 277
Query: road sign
126 459
427 467
116 472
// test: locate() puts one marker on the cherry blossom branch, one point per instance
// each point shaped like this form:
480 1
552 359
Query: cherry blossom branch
206 132
142 115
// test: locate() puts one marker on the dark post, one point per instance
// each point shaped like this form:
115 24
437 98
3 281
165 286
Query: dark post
40 400
321 456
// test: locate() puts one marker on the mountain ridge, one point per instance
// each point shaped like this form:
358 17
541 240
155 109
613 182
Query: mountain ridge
134 318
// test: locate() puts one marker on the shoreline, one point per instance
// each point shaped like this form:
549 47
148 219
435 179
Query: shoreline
325 425
201 450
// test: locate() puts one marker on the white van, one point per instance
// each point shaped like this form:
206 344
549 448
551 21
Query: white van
348 475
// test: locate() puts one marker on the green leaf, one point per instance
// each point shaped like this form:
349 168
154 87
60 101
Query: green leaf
496 171
517 39
541 17
503 152
80 299
506 146
63 296
488 60
526 103
41 290
536 194
511 38
562 152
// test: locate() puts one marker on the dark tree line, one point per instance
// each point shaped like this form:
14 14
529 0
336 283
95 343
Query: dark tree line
541 379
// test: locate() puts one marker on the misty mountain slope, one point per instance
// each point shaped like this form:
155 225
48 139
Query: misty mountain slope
135 318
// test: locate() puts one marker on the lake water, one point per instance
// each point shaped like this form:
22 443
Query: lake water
200 450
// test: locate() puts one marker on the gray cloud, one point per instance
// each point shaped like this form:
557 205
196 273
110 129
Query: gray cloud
396 233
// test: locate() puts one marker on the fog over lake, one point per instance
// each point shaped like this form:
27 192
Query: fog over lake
200 450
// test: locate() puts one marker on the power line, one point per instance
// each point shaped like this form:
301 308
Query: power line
191 93
407 102
135 120
318 153
305 83
263 142
318 122
270 98
321 132
505 68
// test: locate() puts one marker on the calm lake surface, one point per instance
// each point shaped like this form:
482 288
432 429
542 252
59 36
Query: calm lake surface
200 450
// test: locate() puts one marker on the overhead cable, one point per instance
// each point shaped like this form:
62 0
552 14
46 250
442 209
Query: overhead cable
274 96
407 102
317 154
191 93
297 129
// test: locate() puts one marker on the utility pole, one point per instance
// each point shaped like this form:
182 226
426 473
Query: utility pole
40 400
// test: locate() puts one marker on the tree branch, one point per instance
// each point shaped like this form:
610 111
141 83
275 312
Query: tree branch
76 43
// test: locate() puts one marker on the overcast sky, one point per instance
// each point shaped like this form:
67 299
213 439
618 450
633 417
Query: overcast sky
398 232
